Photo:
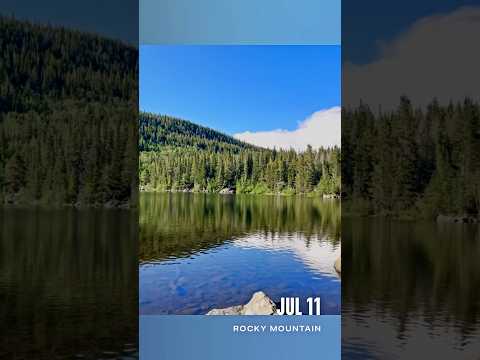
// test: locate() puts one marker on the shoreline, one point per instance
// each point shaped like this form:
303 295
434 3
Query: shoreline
310 194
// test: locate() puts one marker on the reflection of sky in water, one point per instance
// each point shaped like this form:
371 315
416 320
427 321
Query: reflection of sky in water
280 265
316 253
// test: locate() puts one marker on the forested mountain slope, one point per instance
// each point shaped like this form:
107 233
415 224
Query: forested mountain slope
158 131
177 155
68 118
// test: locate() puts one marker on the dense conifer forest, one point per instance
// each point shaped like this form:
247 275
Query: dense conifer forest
68 117
412 162
177 155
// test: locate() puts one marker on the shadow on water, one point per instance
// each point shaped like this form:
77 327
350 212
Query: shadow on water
407 286
68 283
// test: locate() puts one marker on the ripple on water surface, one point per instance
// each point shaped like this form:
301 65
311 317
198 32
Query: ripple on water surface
279 264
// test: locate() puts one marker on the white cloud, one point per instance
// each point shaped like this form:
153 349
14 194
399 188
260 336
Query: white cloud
437 56
322 128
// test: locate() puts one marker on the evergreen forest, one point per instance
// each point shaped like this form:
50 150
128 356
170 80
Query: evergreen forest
412 162
178 155
68 117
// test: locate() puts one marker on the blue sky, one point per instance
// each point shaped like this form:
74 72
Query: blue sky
240 88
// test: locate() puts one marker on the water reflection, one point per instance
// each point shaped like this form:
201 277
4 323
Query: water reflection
315 252
411 287
68 283
176 225
199 252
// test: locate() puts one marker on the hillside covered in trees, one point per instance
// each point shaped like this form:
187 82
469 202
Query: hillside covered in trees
68 117
177 155
159 131
412 162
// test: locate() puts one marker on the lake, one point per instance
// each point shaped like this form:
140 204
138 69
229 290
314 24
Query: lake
204 251
410 288
68 283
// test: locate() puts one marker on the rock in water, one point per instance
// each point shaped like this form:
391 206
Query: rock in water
259 304
227 191
233 310
338 265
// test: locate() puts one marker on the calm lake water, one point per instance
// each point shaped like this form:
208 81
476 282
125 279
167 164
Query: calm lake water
202 251
68 283
410 289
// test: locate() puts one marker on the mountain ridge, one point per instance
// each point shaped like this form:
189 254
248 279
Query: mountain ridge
159 130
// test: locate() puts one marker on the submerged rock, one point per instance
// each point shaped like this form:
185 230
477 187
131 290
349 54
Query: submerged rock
259 304
338 265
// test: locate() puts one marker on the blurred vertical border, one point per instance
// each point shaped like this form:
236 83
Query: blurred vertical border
68 179
410 179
